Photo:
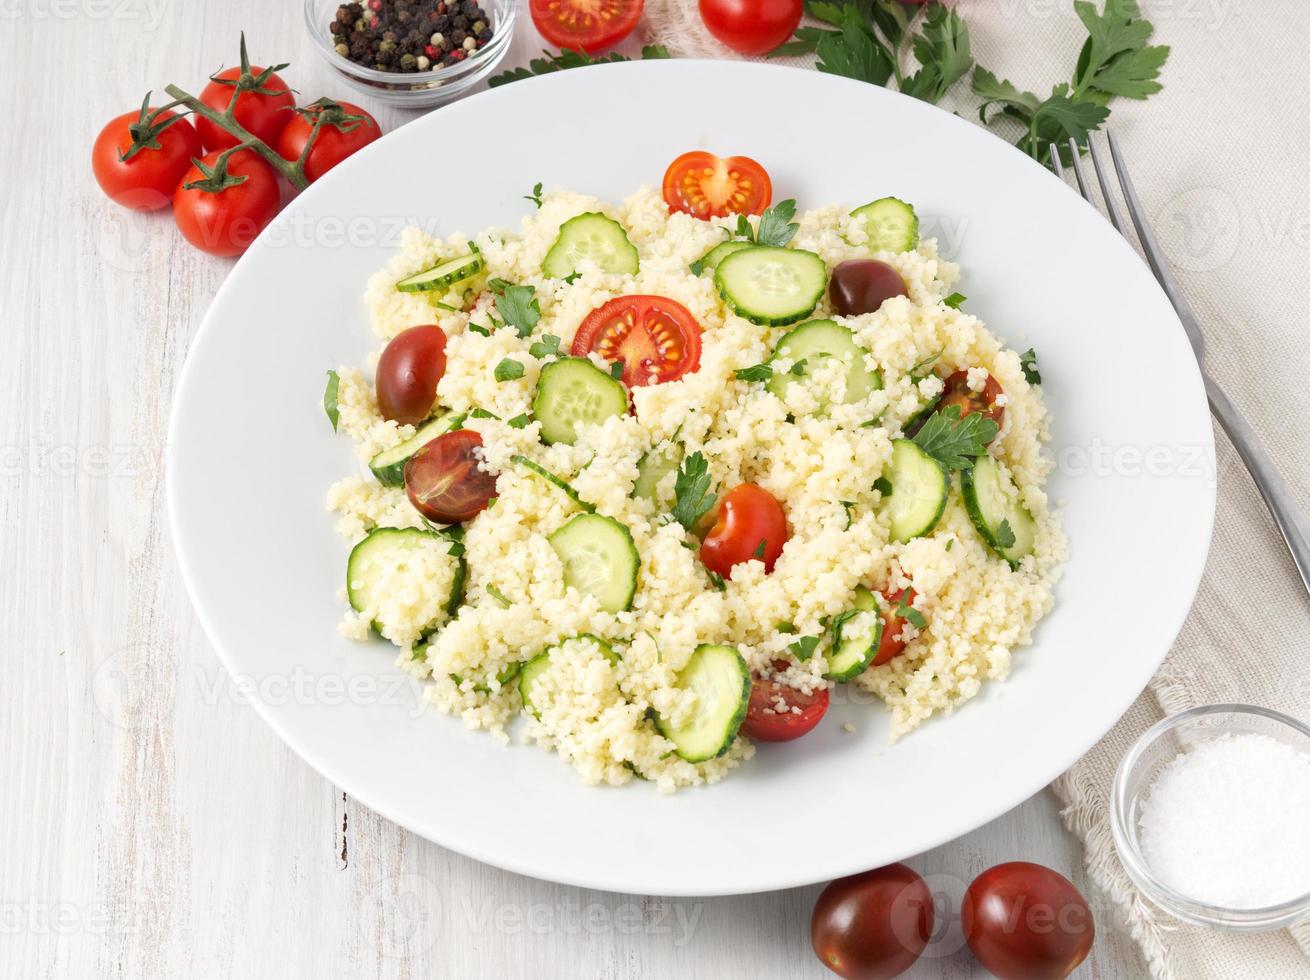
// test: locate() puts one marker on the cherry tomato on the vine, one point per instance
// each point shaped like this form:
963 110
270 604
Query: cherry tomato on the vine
225 222
144 179
409 369
707 186
339 136
264 110
750 525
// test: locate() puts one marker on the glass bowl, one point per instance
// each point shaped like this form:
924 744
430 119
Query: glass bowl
1158 746
419 89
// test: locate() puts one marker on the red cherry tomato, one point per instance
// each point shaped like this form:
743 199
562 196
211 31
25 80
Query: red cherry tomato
264 111
891 644
872 925
707 186
585 25
408 371
958 392
1026 922
338 137
444 482
751 26
750 525
145 181
767 722
226 222
863 285
657 339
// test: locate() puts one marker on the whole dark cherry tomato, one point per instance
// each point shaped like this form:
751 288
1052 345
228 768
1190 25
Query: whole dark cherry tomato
409 369
891 644
751 26
444 482
146 180
346 128
873 925
863 285
263 109
958 392
1026 922
750 524
766 723
225 222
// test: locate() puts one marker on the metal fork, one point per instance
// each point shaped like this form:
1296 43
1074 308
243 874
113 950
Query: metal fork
1291 522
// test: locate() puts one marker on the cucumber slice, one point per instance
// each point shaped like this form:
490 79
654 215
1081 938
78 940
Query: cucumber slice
443 274
991 499
711 259
389 465
890 223
919 488
855 638
383 550
554 481
590 237
771 286
572 390
819 339
653 467
599 559
533 669
722 683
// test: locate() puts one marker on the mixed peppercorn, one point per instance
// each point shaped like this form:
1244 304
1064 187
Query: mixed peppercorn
409 35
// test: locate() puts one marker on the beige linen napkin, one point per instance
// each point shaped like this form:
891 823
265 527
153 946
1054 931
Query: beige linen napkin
1219 159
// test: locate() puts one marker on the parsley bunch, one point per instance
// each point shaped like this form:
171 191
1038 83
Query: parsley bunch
1115 61
568 58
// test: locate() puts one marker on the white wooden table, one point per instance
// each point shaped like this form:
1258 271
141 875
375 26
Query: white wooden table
152 825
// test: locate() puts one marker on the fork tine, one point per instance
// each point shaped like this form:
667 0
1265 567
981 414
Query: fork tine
1154 257
1056 165
1110 208
1083 188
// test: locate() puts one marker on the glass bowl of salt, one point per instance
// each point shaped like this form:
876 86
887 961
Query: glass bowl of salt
1210 812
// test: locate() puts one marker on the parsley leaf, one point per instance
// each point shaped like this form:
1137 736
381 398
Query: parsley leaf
572 277
1004 535
798 368
744 229
917 372
853 51
759 550
1028 361
499 596
804 648
942 51
547 346
568 58
756 372
330 405
520 421
954 441
883 486
616 370
509 370
907 612
517 304
955 300
482 413
692 490
535 196
477 328
717 581
776 227
849 507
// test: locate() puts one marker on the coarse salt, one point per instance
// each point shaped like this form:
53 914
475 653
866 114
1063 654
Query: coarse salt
1224 823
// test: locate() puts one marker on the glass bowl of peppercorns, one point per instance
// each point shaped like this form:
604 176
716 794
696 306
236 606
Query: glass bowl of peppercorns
415 53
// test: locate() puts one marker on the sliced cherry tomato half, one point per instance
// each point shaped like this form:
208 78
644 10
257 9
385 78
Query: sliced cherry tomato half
750 524
444 482
768 721
891 644
958 392
585 25
707 186
657 339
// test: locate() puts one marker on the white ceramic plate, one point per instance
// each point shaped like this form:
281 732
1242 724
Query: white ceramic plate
252 455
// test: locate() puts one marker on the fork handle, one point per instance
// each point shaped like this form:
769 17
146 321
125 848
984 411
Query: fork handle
1278 496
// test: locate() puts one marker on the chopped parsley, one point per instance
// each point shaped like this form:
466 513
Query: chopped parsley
517 304
919 371
616 370
1004 535
477 328
509 370
547 346
759 550
849 507
535 196
692 491
717 580
798 368
804 648
572 277
756 372
953 441
482 413
494 592
520 421
1028 361
883 486
776 227
955 300
330 405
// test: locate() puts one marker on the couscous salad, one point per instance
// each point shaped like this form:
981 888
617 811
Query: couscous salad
659 477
